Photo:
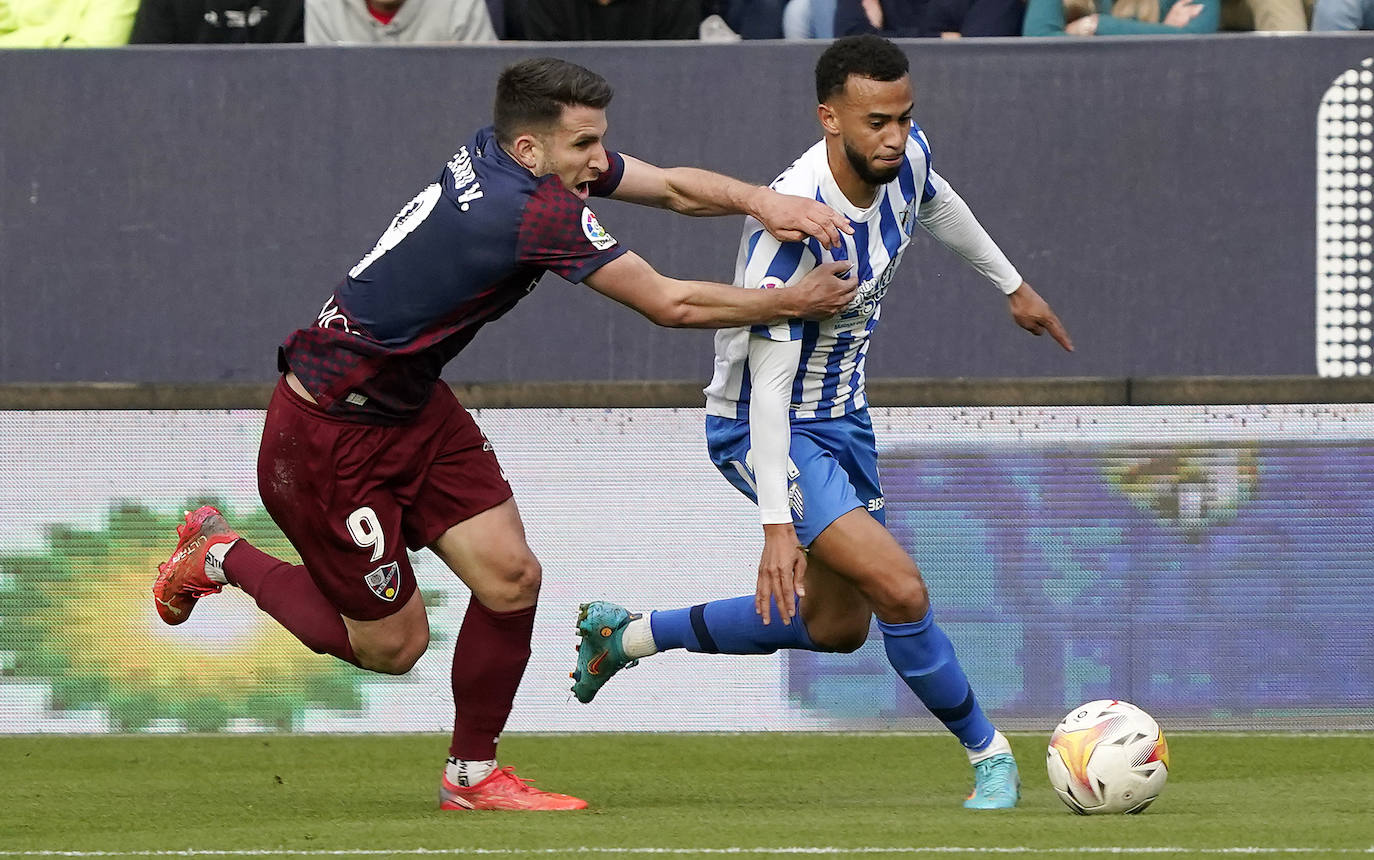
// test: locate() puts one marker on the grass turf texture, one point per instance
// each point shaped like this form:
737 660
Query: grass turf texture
682 792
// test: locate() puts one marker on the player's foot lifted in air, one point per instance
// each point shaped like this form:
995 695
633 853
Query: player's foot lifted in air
601 653
185 578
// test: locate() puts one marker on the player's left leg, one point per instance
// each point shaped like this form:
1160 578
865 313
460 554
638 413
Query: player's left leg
611 639
489 553
466 514
867 554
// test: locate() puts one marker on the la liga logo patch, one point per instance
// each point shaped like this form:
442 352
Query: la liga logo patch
385 581
595 233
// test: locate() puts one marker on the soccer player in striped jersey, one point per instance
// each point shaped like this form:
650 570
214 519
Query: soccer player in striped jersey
787 423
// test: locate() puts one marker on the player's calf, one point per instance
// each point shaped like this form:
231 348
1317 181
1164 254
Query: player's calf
840 632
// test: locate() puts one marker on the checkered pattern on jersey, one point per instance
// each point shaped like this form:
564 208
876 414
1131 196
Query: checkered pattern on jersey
553 235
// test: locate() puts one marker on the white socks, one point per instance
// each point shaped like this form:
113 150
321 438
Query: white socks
214 561
466 772
998 746
638 639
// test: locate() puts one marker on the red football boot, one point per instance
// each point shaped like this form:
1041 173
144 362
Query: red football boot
181 579
502 789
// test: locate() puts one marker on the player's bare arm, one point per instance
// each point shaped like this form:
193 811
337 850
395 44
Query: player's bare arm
1034 315
691 191
701 304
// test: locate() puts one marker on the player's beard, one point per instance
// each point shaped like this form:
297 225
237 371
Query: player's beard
865 170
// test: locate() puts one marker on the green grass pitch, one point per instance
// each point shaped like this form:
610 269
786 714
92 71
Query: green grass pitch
755 795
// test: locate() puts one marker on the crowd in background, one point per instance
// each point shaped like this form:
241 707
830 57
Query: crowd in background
53 23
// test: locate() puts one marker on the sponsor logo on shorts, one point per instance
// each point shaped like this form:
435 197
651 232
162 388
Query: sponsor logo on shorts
595 233
385 581
876 504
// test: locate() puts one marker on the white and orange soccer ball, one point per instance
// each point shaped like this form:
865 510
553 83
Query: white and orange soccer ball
1108 756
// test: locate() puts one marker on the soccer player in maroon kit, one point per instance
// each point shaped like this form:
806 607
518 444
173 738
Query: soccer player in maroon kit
366 452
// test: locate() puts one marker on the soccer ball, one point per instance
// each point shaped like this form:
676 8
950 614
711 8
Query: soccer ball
1108 756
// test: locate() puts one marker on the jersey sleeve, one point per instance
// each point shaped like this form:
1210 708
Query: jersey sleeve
772 369
929 190
559 234
606 184
768 265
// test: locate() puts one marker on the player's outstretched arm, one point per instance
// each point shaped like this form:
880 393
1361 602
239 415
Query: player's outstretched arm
702 304
691 191
1034 315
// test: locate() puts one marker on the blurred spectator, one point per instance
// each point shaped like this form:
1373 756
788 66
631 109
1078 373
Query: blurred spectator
1273 15
507 18
207 22
65 23
920 18
1343 15
610 20
1122 18
751 19
397 21
808 19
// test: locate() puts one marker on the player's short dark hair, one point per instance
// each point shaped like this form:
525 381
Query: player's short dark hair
867 56
533 93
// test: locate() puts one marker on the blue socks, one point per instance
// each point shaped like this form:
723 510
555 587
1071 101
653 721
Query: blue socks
728 626
919 650
923 655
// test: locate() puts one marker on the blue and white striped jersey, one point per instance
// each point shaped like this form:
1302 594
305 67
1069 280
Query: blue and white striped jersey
830 377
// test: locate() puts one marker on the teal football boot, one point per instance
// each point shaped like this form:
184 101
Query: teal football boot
600 626
996 783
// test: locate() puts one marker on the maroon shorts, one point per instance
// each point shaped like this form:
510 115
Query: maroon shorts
352 497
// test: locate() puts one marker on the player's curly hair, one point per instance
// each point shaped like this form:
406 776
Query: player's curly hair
532 94
867 56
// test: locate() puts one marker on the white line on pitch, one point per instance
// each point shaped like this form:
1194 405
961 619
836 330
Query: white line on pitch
741 851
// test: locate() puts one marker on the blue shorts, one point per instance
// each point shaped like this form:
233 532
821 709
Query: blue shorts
833 468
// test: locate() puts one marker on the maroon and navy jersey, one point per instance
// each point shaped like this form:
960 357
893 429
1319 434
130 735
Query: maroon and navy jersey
460 254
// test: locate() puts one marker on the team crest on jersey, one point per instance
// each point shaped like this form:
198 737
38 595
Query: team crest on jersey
909 217
385 581
595 233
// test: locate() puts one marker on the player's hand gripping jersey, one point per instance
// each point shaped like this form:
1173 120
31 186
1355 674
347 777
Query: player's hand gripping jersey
457 256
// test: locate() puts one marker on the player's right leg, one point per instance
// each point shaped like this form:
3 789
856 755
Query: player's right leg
356 570
861 549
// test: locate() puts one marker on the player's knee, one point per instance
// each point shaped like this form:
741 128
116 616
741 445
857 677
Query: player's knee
901 598
395 655
517 586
